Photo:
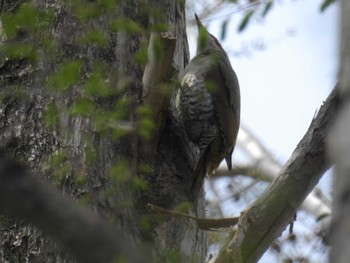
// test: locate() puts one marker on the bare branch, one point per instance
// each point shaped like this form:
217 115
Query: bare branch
268 216
83 234
203 223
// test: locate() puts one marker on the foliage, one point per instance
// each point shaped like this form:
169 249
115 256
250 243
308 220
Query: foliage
325 4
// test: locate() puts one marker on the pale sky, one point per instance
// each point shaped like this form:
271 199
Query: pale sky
283 84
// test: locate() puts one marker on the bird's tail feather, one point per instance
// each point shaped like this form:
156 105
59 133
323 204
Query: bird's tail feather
199 173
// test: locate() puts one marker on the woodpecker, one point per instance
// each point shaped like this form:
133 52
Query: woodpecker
209 105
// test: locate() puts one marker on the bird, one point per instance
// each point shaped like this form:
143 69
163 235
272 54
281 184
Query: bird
208 103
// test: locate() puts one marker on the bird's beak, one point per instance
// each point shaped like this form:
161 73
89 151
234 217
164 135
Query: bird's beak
199 23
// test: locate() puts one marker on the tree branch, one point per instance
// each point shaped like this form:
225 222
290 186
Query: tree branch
202 223
83 234
268 216
264 167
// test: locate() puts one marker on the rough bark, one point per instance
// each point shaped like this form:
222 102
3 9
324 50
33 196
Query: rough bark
60 153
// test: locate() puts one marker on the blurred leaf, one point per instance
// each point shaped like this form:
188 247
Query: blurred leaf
223 29
157 47
144 110
184 207
160 27
58 158
146 168
146 127
267 8
91 154
120 259
59 165
127 25
95 36
139 183
83 107
51 117
25 18
322 216
145 122
108 4
245 20
80 178
141 56
325 4
96 85
119 133
19 50
67 75
119 172
86 11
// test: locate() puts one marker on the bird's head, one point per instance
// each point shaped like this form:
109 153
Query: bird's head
206 41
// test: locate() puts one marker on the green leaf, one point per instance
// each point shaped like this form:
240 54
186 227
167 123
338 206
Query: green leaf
157 48
108 4
223 29
58 158
120 171
68 74
59 165
139 183
19 50
322 216
83 107
95 36
119 133
146 168
25 18
127 25
51 116
144 110
160 27
141 56
146 128
245 20
267 8
96 85
86 11
326 4
120 259
91 154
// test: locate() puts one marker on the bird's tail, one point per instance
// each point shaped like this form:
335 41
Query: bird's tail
199 173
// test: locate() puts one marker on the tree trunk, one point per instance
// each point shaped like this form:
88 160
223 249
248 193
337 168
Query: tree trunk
59 116
339 146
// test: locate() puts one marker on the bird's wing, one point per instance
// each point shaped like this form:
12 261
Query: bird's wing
228 108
